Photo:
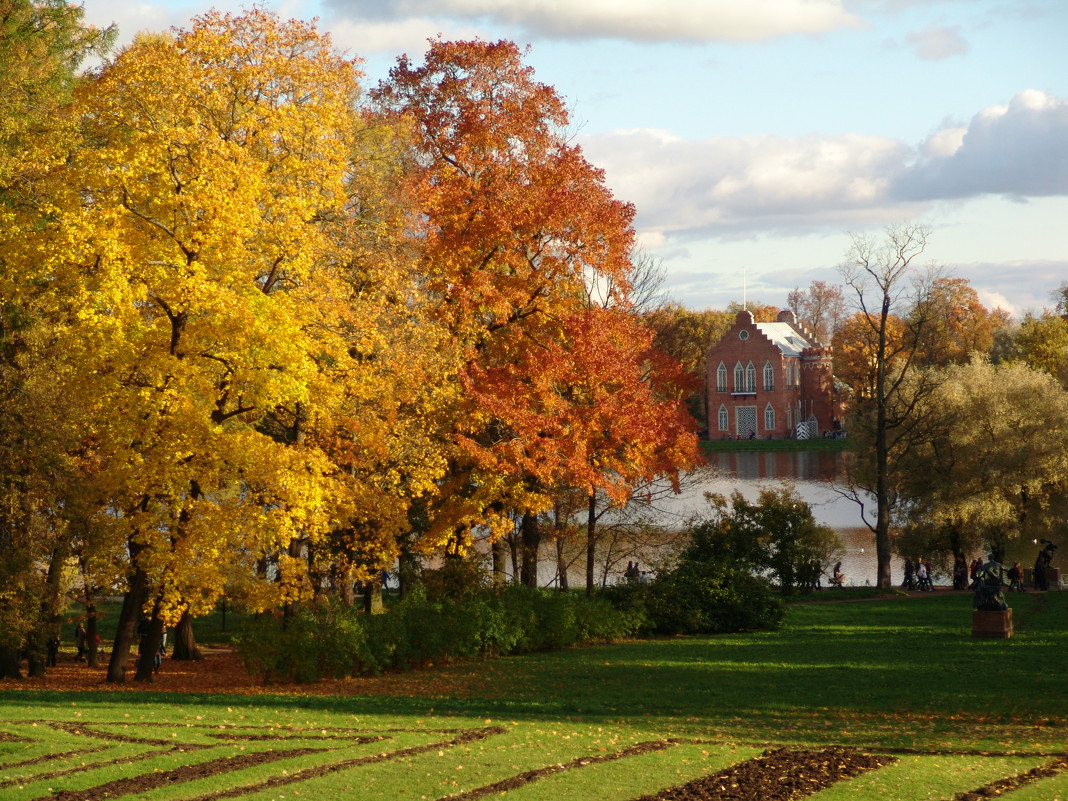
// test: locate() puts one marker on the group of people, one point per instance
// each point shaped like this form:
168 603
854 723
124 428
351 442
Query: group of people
917 575
635 574
965 576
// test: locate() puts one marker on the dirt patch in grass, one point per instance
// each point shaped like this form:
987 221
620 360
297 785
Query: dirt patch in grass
222 671
781 774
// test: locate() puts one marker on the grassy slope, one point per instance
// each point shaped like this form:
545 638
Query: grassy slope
895 674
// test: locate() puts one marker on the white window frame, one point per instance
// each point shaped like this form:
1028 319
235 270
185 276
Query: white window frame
721 378
769 377
769 418
724 418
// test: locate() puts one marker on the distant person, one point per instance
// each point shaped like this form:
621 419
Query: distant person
960 573
923 576
1042 563
910 575
80 642
1016 578
838 577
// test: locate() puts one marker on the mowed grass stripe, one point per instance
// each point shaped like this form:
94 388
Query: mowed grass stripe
531 776
519 748
305 774
925 778
623 779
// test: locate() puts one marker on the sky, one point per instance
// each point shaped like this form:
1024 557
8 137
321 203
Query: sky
757 137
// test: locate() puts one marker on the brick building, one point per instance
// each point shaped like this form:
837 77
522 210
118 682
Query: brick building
771 381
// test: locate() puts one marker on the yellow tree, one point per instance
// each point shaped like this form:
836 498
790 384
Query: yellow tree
993 468
42 44
209 308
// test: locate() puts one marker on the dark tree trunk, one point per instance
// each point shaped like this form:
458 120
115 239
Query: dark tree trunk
185 644
146 659
372 597
92 632
10 663
35 653
531 535
126 628
499 552
591 541
561 563
407 572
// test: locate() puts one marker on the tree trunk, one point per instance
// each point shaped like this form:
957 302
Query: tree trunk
35 653
591 541
561 563
146 659
499 553
92 632
531 535
185 644
10 663
126 628
372 597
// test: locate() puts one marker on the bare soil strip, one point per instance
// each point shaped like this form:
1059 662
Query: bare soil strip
778 775
127 760
150 781
995 789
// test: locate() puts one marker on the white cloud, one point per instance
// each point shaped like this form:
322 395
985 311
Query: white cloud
133 18
738 187
734 187
936 43
364 37
1020 149
633 20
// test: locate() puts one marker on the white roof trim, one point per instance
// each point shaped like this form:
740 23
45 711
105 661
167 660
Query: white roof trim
785 338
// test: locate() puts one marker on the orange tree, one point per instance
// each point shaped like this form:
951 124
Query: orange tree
516 226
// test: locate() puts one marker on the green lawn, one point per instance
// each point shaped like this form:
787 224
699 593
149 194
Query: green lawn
901 677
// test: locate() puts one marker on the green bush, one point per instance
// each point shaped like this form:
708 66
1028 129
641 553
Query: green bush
332 640
709 597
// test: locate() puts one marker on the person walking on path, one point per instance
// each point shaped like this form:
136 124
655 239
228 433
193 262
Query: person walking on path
923 576
1016 578
910 575
79 642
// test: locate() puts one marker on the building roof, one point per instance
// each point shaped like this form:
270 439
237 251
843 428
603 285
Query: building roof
785 338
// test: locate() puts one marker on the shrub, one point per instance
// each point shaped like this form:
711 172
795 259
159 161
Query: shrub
708 597
332 640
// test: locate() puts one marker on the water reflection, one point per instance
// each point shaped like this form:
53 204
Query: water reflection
819 479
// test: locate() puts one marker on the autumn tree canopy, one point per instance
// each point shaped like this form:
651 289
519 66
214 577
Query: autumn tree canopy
517 226
265 326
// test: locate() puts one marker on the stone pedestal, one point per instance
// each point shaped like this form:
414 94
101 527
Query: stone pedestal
996 625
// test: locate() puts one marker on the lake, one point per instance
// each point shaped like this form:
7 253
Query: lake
817 476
